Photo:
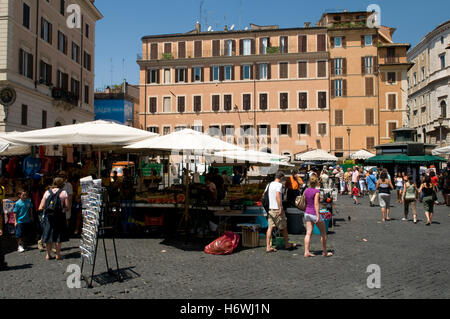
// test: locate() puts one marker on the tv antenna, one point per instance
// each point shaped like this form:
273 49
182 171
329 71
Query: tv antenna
232 27
209 28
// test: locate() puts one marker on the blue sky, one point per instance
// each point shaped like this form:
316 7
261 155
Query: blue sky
119 33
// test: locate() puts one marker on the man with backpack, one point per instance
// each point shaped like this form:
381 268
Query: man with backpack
54 205
275 215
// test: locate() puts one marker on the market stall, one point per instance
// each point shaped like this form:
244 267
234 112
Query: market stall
236 200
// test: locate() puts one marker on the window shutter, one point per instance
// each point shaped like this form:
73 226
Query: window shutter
181 50
216 48
167 48
176 75
302 70
332 68
338 117
42 27
253 47
303 100
242 72
344 42
251 72
332 88
241 47
332 42
21 61
257 66
362 41
299 129
289 130
192 75
344 87
321 69
233 47
153 50
375 65
232 73
363 65
269 71
221 73
65 45
368 88
211 73
344 66
321 46
286 47
30 66
198 49
50 31
308 129
339 143
261 45
374 39
370 143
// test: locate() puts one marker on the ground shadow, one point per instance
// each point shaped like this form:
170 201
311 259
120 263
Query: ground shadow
20 267
110 277
74 255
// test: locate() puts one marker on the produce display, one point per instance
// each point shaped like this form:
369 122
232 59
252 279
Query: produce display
245 194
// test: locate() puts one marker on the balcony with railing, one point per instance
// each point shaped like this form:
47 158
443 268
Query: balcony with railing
392 59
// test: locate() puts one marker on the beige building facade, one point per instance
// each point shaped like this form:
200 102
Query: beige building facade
429 87
46 63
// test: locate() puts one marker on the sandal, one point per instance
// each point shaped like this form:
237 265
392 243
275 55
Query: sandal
272 250
59 258
328 255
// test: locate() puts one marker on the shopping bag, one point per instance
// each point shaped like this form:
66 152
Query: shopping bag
223 245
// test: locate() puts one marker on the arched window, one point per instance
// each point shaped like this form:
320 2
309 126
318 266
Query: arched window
444 109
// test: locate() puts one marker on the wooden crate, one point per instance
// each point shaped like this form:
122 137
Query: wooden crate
250 239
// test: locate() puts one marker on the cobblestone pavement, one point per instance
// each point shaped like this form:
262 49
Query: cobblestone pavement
414 262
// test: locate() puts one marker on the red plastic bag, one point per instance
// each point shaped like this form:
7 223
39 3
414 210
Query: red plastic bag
223 245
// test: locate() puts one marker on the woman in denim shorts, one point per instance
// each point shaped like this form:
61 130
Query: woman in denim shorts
312 216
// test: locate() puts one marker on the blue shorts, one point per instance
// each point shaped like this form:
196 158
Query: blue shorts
22 229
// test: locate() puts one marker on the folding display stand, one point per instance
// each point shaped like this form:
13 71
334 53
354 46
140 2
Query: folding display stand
94 226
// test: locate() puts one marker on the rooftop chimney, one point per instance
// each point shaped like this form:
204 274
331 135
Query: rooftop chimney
307 24
198 27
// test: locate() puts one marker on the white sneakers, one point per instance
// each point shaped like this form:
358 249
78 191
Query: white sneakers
20 249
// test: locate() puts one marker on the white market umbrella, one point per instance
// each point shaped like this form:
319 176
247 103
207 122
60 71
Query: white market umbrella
100 133
317 155
252 156
187 141
88 133
361 155
441 151
8 148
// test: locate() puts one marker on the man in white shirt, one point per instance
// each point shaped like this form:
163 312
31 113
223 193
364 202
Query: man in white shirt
276 217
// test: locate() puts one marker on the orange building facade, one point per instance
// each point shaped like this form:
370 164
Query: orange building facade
368 74
287 90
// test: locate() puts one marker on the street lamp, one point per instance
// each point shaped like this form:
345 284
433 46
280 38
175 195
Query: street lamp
440 121
348 132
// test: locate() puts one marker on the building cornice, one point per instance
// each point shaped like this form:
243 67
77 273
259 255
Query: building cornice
235 34
234 59
92 8
424 42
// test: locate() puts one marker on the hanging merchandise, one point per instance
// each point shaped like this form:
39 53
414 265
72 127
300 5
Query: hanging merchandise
31 166
69 155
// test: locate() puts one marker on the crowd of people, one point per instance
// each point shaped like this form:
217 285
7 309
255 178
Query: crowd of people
356 182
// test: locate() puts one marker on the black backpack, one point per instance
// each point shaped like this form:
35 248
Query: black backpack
53 206
265 199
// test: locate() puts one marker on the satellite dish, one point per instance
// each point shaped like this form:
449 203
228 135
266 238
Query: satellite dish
209 28
232 27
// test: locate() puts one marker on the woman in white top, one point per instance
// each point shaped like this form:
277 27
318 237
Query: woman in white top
399 187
